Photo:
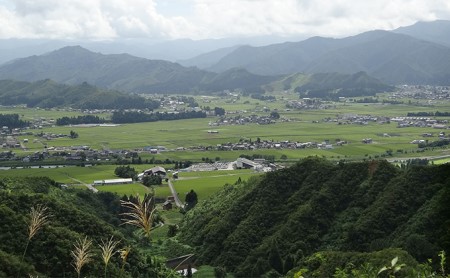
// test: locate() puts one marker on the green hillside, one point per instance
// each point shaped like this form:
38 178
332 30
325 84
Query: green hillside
48 94
75 65
275 223
72 216
330 85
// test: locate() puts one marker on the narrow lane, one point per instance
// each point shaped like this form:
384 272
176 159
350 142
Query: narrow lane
178 203
89 186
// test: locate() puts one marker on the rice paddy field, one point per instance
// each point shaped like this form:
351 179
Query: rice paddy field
203 183
303 126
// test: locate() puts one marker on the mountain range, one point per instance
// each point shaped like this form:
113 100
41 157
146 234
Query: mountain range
418 54
76 65
397 57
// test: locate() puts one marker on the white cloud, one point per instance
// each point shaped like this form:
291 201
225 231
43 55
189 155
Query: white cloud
102 19
313 17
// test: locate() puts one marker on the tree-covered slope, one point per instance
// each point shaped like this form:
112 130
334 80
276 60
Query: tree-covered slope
48 94
317 205
73 215
330 85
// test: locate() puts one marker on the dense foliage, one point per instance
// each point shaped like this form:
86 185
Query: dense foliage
73 214
273 223
85 119
149 180
125 172
12 121
48 94
335 85
122 117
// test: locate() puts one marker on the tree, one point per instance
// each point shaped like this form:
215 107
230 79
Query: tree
125 172
191 199
73 134
219 111
150 180
274 115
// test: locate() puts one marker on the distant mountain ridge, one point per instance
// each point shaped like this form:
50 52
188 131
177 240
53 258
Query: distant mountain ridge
75 65
398 57
437 31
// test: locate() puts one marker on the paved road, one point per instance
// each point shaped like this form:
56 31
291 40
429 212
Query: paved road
178 203
89 186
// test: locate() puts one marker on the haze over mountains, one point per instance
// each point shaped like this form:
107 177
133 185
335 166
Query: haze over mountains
419 54
390 57
75 65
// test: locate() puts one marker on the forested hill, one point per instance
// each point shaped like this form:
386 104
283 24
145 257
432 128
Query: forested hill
49 94
271 224
74 65
73 214
330 85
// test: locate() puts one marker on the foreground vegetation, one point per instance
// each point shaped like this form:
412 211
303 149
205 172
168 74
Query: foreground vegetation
275 223
73 218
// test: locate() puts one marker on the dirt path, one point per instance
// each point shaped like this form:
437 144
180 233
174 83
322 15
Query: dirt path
89 186
178 203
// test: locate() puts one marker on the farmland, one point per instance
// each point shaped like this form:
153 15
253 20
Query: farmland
189 139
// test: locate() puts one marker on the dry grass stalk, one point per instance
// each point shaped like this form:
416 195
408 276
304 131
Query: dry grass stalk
139 215
108 250
39 216
82 254
124 255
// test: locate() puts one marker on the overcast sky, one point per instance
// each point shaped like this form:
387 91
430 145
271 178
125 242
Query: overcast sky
201 19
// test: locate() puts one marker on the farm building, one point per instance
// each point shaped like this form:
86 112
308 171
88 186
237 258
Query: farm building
155 171
243 163
113 181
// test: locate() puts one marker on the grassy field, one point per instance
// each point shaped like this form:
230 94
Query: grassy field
306 126
125 189
188 133
203 183
68 174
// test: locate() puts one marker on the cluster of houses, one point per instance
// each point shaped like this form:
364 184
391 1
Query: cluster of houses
308 104
357 119
420 122
266 144
243 120
427 92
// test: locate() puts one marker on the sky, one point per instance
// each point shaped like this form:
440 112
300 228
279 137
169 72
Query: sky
203 19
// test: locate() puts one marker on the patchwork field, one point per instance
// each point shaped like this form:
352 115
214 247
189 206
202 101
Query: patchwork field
303 126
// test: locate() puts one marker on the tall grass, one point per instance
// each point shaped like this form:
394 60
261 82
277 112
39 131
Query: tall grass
139 214
81 254
124 255
39 216
108 250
